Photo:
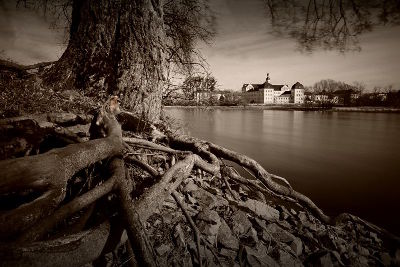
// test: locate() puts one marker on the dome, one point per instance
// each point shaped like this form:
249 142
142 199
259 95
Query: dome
297 86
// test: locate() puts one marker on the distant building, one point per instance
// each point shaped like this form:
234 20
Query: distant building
267 93
321 97
297 93
207 96
335 97
283 98
216 96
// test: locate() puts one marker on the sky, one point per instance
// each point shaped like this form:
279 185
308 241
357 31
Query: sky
26 37
242 52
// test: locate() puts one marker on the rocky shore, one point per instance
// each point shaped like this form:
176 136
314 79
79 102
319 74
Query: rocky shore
242 228
230 222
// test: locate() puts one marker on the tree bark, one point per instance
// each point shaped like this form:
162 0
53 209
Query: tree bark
48 175
73 250
115 48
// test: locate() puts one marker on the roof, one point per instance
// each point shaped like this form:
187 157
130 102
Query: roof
285 94
266 85
297 85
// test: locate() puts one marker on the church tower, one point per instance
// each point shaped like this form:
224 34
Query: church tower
268 79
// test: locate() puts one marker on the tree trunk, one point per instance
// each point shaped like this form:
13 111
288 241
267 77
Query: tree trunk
115 48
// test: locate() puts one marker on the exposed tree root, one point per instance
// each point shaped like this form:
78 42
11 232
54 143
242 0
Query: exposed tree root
231 173
265 177
48 223
76 250
50 174
195 230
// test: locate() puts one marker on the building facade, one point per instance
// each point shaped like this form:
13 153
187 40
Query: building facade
297 93
267 93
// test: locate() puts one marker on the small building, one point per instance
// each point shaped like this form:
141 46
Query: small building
297 93
283 98
213 97
321 97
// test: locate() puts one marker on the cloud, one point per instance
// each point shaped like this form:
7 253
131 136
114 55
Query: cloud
244 51
26 36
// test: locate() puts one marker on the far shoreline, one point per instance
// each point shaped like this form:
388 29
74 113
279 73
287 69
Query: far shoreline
365 109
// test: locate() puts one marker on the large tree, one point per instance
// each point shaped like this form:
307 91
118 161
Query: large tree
120 47
124 47
129 47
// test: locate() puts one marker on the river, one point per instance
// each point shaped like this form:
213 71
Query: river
344 161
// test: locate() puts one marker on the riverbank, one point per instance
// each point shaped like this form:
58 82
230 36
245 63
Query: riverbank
245 227
295 108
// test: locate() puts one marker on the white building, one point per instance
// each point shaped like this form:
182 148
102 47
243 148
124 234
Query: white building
283 98
267 93
297 93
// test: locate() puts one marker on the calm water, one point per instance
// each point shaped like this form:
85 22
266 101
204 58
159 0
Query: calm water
345 162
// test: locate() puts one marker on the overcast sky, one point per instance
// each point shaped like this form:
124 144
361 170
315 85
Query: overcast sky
242 52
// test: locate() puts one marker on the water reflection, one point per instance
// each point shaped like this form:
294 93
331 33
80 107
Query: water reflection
343 161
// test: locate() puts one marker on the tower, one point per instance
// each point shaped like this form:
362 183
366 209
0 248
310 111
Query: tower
268 79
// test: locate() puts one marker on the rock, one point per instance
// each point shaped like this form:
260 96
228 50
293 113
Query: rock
250 238
259 224
328 240
240 223
170 201
297 246
282 208
159 159
260 209
292 211
324 258
357 260
208 200
284 215
228 253
284 258
310 225
227 263
163 249
385 258
362 250
213 190
168 217
225 237
205 253
375 237
302 217
285 224
190 187
283 236
259 257
179 236
190 199
278 233
208 223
